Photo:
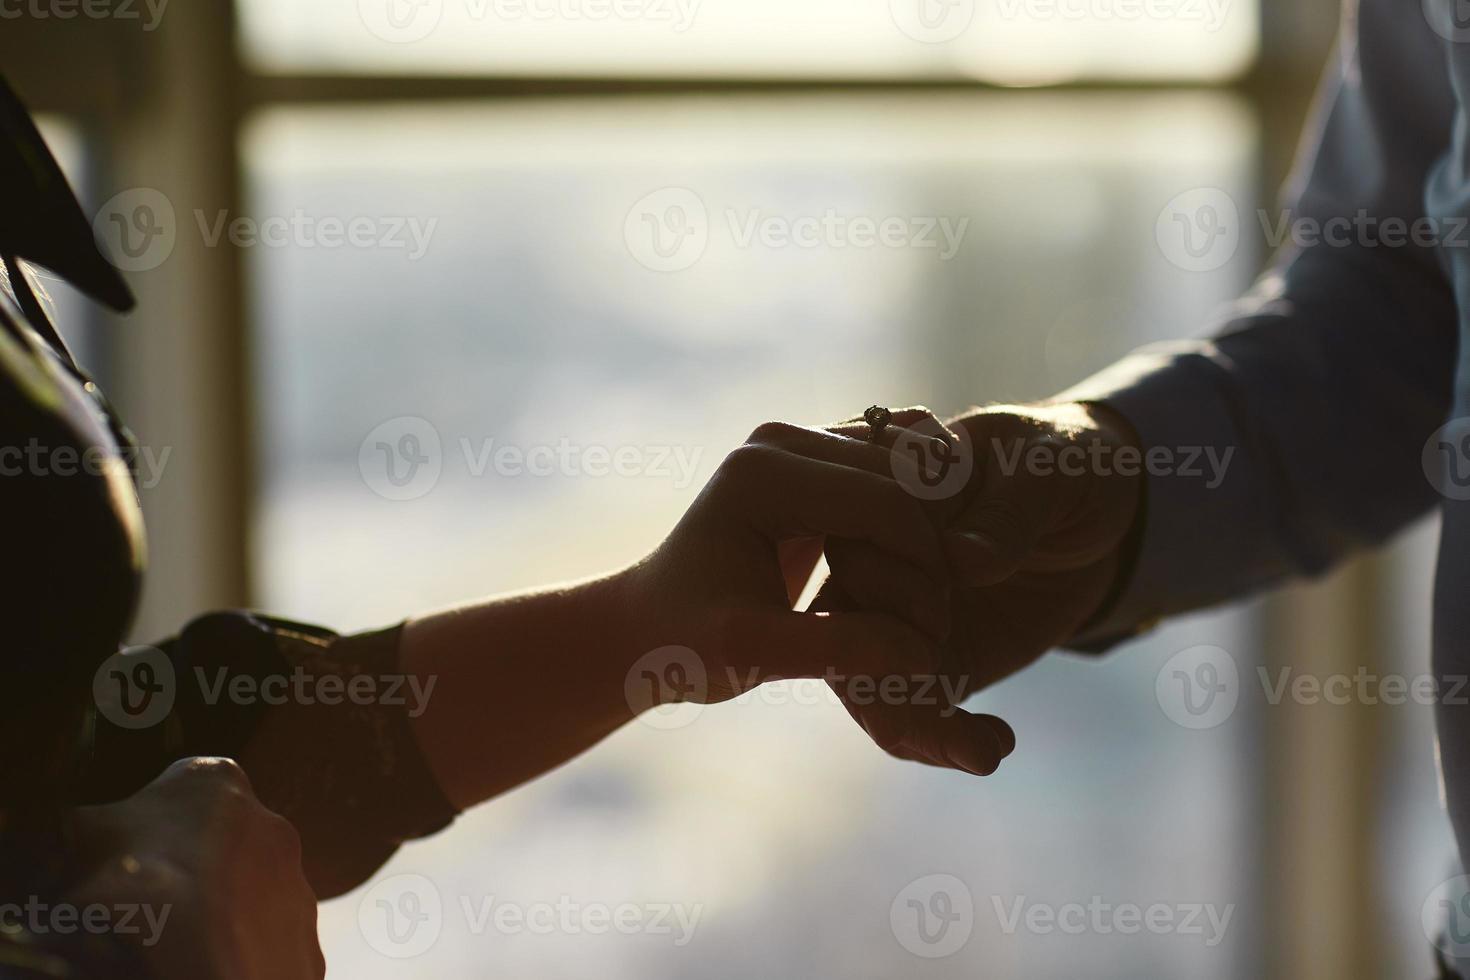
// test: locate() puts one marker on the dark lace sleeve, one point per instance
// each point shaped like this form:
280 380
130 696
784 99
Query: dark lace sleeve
320 722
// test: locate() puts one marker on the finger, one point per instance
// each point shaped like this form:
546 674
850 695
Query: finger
835 646
870 580
785 495
907 426
850 448
902 418
858 447
1007 514
316 961
975 743
937 733
931 460
201 770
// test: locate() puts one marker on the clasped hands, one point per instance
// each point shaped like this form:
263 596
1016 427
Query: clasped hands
959 551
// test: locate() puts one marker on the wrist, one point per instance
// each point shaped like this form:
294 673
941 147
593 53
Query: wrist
618 610
643 636
1119 432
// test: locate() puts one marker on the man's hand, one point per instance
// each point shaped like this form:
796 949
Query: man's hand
219 874
1036 549
723 581
1035 511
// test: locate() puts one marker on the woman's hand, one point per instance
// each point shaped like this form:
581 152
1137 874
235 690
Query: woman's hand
218 877
724 582
525 683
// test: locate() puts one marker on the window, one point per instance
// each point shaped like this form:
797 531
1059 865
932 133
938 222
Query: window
553 301
1003 41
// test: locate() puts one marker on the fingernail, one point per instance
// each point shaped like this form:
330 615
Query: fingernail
974 759
1004 734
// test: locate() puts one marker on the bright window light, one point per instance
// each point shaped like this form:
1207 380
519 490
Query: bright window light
1020 42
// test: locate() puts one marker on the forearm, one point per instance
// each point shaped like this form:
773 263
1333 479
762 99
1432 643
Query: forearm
521 683
1291 440
1324 385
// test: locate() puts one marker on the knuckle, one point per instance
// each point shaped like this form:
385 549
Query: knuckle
773 432
921 423
914 414
746 459
225 774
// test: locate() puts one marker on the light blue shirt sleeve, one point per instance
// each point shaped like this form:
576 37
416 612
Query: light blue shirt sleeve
1323 384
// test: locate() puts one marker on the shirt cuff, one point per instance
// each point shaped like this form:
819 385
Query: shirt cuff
1201 520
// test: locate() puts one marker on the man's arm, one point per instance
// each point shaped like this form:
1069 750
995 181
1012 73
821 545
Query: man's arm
1326 382
1322 388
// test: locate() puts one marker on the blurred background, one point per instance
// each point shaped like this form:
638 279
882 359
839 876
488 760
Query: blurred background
556 226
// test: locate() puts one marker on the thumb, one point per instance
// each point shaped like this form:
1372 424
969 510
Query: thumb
991 539
936 733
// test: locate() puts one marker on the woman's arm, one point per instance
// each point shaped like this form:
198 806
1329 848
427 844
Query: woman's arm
521 683
370 740
524 683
